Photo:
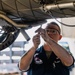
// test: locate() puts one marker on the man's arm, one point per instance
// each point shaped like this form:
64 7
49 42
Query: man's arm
27 58
59 51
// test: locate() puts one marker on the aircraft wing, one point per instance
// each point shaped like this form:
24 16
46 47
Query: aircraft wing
17 15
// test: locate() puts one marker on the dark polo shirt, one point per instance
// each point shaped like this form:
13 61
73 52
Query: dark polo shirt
41 65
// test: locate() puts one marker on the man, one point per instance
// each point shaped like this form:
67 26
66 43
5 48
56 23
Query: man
49 59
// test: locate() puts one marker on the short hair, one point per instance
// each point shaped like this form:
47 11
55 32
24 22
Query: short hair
54 23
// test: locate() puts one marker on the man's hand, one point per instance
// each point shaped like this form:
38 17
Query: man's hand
43 34
36 40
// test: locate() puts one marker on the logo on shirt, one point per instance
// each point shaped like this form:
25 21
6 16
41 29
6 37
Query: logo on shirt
37 59
57 61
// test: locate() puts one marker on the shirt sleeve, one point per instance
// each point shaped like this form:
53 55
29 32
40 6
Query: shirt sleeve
72 65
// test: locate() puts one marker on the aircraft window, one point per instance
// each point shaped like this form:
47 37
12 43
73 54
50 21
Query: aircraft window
65 45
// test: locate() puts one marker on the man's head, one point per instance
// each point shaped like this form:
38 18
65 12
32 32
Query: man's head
54 31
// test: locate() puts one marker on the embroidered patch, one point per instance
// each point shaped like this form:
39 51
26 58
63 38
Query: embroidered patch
37 59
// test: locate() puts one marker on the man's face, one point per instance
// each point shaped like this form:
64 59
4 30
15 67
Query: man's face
54 32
